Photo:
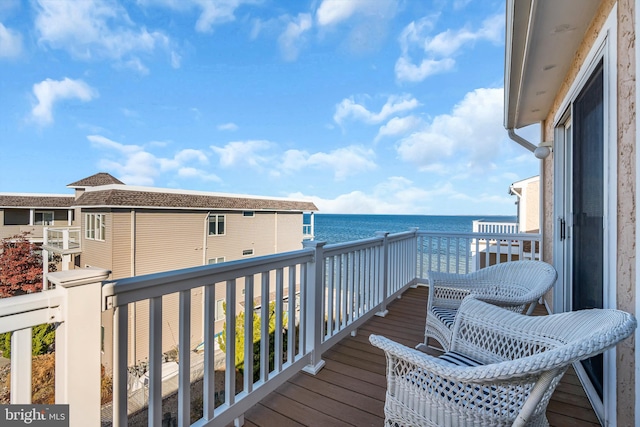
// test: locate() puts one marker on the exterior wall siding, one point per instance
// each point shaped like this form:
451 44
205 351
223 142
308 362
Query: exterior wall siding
626 232
97 253
533 206
168 240
121 245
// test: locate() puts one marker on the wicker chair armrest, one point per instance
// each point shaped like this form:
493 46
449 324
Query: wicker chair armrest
492 374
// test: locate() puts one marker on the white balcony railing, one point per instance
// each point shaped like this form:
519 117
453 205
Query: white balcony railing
340 286
62 240
482 226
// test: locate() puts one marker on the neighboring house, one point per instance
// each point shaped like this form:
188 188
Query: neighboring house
571 67
30 213
133 231
527 192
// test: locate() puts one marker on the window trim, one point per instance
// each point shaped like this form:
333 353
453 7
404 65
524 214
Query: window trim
95 226
248 214
215 221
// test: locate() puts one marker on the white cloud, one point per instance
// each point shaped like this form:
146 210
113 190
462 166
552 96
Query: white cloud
449 42
398 126
10 42
243 152
104 142
331 12
183 157
190 172
438 52
349 108
228 126
97 29
137 165
344 161
473 129
212 12
395 195
292 38
48 92
409 72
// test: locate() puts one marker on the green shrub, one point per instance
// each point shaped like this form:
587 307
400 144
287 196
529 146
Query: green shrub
43 337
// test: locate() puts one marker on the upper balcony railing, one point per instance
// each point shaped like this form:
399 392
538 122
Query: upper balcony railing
62 240
482 226
340 286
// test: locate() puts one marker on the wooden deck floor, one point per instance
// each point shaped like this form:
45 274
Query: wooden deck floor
350 389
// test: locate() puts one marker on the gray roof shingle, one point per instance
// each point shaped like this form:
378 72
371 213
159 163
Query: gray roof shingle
129 198
101 178
25 201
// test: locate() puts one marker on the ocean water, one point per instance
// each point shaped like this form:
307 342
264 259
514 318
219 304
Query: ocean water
336 228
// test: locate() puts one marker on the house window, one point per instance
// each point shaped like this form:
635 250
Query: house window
94 226
43 218
216 225
219 314
216 260
247 252
248 213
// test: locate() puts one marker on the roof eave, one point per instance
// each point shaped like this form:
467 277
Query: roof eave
541 40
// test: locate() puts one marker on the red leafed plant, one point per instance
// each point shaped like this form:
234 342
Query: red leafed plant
20 266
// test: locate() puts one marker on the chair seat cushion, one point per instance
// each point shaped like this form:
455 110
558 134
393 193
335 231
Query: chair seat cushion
445 315
459 359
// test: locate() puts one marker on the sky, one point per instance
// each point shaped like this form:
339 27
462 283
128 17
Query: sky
361 106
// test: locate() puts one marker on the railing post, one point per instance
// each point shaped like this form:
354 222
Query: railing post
314 315
78 344
45 258
66 258
384 272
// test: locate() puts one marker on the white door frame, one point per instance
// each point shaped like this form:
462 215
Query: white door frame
605 49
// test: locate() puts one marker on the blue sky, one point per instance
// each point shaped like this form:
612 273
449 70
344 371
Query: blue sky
362 106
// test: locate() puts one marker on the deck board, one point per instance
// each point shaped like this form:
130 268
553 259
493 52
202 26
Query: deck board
350 389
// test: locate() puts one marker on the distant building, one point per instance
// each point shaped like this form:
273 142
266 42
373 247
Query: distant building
133 231
527 192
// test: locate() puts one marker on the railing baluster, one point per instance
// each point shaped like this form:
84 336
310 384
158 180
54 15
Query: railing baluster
291 321
248 333
278 346
155 362
264 328
230 371
209 388
184 367
331 314
339 313
21 366
120 351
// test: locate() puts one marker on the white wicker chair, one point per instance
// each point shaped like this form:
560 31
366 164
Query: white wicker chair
513 285
502 368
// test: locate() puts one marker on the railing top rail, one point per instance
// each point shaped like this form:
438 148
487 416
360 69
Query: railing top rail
336 248
30 302
402 235
76 228
475 235
124 291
